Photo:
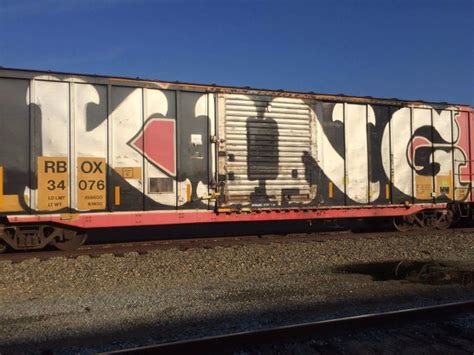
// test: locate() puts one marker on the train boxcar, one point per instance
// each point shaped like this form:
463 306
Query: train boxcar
80 152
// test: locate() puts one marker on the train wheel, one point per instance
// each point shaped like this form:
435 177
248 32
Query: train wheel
70 240
444 219
403 223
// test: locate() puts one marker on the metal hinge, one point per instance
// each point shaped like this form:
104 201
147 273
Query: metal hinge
211 196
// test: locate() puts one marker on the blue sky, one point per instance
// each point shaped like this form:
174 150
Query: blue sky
405 49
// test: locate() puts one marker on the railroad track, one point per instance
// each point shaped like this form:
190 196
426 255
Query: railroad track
183 243
235 342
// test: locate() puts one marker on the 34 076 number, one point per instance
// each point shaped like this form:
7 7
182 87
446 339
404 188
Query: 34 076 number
83 185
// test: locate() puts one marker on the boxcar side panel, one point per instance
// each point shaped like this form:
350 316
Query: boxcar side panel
53 165
462 155
442 160
89 134
420 154
127 164
402 173
331 151
157 141
356 120
14 145
379 157
193 150
470 156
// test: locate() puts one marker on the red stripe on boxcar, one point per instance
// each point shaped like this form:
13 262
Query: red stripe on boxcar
150 218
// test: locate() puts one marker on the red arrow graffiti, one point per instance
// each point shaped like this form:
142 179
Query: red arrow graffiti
156 141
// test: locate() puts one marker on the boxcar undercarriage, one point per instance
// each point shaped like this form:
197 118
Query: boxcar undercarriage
56 232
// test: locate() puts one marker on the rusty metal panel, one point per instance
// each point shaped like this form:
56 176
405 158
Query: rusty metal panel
262 158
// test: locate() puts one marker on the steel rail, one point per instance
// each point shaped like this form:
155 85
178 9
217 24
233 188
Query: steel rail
322 328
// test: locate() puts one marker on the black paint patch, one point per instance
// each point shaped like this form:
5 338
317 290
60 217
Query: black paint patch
262 156
192 156
14 137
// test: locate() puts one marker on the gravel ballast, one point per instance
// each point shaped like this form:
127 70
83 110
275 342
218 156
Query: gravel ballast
109 302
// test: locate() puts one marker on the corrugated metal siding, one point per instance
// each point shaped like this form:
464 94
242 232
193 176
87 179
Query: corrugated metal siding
265 141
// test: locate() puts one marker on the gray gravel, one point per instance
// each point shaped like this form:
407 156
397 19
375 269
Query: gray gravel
109 302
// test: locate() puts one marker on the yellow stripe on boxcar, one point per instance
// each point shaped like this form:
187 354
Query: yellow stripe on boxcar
188 192
117 195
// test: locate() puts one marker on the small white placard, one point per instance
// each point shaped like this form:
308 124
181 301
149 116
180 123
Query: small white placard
196 139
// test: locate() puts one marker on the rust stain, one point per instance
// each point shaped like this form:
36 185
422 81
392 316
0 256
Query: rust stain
153 83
